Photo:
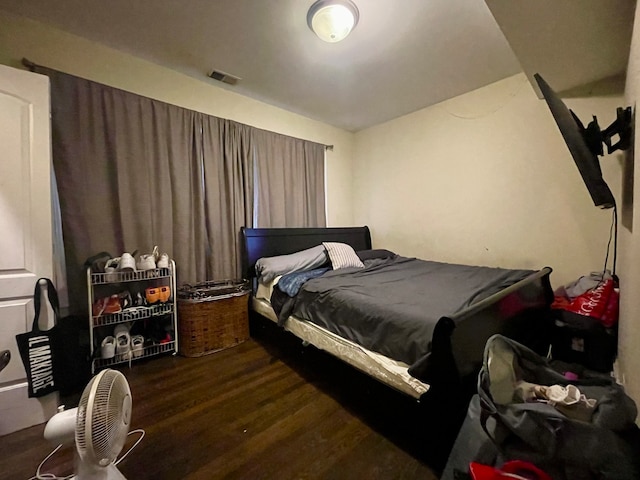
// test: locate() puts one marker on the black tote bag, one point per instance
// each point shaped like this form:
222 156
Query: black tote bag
40 348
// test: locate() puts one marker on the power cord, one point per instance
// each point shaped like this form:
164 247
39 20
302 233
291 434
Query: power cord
51 476
48 476
613 235
142 434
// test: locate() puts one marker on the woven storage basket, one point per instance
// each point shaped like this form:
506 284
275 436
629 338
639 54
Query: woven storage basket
212 316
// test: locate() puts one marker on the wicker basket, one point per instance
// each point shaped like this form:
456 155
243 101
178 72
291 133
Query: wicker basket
208 324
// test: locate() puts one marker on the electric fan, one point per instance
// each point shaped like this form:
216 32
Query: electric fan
99 424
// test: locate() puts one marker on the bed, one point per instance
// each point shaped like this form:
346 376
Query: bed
433 335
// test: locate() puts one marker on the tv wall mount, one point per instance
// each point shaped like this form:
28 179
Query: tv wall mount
620 128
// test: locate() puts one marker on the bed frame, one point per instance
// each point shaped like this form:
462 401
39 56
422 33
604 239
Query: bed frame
521 311
269 242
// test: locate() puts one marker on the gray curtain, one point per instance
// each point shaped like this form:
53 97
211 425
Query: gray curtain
228 179
133 172
129 178
290 181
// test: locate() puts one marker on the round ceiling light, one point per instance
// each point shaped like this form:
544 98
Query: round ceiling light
332 20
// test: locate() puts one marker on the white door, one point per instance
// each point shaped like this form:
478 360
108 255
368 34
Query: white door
25 233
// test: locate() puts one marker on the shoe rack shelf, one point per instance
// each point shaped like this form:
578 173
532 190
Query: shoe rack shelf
121 277
132 314
100 285
147 352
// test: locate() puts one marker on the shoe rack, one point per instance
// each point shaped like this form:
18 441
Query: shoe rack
158 316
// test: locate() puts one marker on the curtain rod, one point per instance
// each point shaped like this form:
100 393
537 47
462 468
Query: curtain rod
31 66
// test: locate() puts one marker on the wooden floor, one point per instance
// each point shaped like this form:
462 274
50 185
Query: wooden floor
268 408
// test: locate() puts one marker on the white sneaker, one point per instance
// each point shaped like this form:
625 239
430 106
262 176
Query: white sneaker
111 265
146 262
127 263
108 347
111 269
137 345
123 341
163 261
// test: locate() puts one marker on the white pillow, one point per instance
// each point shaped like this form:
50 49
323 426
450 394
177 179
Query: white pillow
342 255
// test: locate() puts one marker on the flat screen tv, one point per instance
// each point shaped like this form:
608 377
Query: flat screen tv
585 144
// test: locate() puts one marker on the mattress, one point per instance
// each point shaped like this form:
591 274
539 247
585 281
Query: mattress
388 371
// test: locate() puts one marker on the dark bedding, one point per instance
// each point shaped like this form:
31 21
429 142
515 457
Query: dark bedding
392 305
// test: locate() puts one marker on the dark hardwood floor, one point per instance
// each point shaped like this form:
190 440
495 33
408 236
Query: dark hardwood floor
268 408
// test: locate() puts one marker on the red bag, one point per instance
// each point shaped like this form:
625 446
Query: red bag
601 303
515 469
612 310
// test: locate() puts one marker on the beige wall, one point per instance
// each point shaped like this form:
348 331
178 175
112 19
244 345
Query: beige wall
485 178
71 54
629 331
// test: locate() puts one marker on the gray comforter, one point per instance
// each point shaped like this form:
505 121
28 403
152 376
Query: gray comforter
392 306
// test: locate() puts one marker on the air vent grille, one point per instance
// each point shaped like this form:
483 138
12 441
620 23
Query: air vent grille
224 77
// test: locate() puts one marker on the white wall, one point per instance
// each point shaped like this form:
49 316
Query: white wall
485 179
53 48
629 331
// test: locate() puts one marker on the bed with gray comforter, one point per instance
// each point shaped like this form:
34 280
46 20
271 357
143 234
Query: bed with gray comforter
393 305
433 316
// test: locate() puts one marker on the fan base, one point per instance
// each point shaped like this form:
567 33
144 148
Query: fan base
87 471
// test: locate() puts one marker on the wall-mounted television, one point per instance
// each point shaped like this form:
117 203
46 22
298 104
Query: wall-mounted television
585 144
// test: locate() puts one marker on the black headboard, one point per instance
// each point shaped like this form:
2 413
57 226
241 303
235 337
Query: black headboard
269 242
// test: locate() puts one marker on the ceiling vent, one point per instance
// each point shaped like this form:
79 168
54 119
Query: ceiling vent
224 77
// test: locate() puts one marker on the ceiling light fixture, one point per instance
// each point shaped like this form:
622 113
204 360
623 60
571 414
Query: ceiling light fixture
332 20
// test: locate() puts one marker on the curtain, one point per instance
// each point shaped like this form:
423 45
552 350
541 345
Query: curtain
133 172
128 178
290 181
228 183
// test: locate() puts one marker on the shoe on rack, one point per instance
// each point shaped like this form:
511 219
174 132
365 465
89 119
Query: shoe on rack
167 339
108 347
125 299
123 263
148 260
127 263
139 301
98 306
111 270
164 293
113 304
123 341
152 294
137 345
111 265
163 261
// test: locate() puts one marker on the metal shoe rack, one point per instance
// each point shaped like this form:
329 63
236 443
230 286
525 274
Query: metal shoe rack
101 285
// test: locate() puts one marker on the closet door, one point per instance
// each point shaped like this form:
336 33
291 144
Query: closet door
25 233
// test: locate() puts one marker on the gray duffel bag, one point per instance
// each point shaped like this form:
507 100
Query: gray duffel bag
582 428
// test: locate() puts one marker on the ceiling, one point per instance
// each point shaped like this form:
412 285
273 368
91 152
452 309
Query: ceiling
402 56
